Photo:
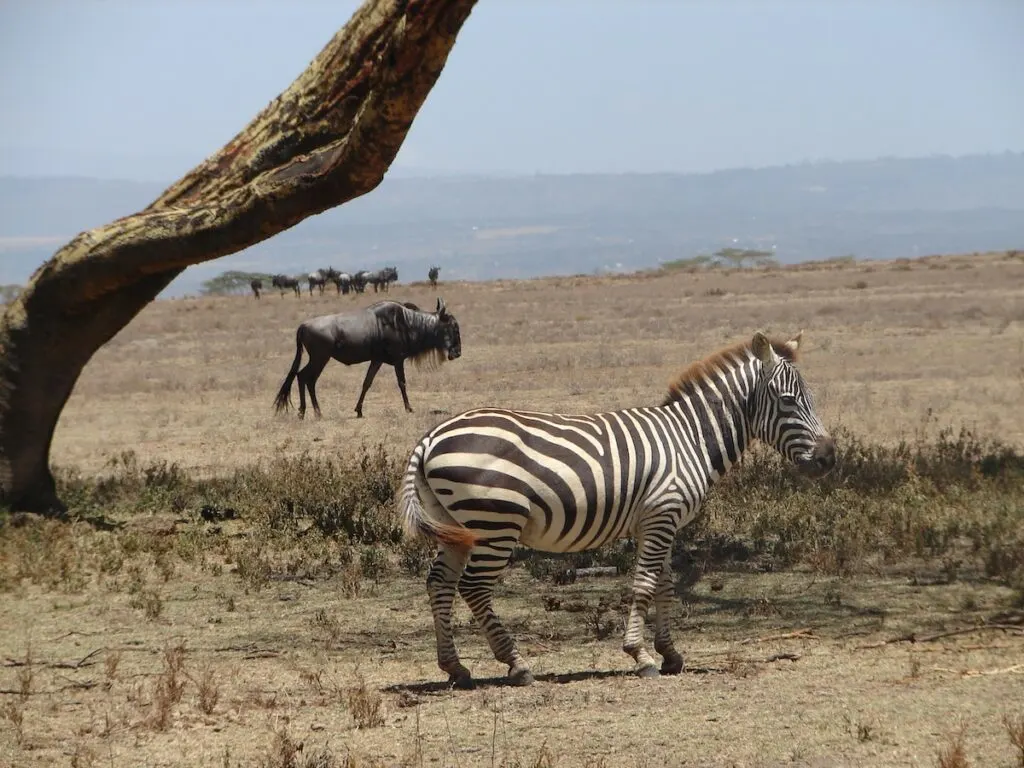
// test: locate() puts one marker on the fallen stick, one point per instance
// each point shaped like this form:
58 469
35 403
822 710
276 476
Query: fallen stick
782 657
1015 669
911 637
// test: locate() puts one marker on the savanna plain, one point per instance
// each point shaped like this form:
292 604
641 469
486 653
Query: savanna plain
231 587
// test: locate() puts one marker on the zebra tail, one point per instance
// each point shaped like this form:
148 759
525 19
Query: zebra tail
284 395
432 522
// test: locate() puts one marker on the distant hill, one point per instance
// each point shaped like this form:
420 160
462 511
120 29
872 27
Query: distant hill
522 226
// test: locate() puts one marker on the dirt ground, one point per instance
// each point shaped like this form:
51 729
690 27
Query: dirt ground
785 668
930 343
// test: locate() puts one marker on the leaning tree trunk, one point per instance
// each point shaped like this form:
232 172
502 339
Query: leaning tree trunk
330 137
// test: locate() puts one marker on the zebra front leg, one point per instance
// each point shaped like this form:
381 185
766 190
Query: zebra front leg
650 557
477 589
442 582
664 597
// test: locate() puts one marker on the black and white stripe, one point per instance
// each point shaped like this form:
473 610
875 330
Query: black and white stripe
490 479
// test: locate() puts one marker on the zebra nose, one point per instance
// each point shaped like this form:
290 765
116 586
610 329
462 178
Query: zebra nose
824 454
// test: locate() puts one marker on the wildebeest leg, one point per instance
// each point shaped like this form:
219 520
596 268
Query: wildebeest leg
400 375
307 379
370 373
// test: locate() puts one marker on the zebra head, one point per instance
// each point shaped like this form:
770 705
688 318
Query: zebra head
783 411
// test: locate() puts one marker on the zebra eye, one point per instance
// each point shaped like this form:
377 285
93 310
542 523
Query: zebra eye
788 400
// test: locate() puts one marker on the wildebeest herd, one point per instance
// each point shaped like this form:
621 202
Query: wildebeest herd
344 282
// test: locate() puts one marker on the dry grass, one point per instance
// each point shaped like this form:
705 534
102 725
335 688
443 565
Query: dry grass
191 381
241 595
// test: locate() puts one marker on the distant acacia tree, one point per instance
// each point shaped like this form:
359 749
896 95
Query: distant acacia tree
743 257
432 274
232 281
328 138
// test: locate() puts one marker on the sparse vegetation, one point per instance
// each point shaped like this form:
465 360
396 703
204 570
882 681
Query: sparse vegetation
270 549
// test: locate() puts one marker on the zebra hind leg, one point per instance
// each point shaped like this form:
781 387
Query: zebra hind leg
442 582
477 589
671 659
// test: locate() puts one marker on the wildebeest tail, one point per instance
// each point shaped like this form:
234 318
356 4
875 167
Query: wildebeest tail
421 513
283 399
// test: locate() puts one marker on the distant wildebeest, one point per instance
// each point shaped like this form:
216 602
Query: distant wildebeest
432 275
330 275
257 285
282 282
359 280
343 282
384 332
316 279
382 278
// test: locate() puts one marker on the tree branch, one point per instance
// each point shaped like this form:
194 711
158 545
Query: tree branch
328 138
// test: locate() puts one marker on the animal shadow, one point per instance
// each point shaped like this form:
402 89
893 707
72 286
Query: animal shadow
560 678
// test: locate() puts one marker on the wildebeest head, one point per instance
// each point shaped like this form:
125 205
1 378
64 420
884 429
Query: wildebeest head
448 331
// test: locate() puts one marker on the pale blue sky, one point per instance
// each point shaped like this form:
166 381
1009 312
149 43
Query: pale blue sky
145 89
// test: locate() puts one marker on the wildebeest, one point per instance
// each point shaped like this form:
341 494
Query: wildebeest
382 278
316 278
343 282
281 282
257 285
384 332
359 280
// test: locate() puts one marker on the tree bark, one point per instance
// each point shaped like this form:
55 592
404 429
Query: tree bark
330 137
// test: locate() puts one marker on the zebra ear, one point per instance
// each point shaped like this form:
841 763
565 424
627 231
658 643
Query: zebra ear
440 306
794 343
763 351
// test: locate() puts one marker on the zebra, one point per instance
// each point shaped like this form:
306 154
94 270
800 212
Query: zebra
489 479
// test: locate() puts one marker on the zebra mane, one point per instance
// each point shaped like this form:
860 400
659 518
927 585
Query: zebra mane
720 361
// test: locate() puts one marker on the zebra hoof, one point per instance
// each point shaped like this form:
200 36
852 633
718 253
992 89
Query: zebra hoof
648 671
520 677
672 665
462 682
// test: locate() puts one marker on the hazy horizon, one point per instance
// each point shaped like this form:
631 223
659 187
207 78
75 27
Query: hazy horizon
107 90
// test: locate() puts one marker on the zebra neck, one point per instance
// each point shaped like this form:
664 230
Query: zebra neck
715 411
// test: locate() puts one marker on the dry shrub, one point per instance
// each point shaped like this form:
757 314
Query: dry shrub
168 687
953 754
14 713
366 706
917 499
1015 730
110 664
207 690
